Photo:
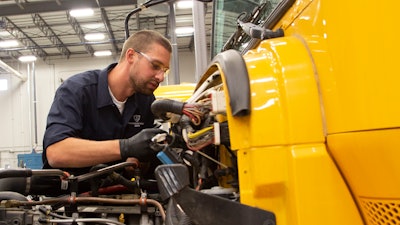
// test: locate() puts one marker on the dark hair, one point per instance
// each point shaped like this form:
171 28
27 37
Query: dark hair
142 41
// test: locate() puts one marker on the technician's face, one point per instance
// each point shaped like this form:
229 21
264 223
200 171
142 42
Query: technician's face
151 67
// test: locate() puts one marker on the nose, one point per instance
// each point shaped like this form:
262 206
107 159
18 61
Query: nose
160 76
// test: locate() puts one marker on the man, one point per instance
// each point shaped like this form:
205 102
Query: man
104 116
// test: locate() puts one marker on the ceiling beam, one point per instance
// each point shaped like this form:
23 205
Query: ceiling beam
49 33
78 30
109 30
27 41
25 7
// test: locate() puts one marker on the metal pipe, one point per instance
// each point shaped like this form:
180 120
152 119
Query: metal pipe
175 58
33 107
12 71
200 44
34 100
97 200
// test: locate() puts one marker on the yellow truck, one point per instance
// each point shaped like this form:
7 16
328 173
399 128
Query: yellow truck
311 88
294 122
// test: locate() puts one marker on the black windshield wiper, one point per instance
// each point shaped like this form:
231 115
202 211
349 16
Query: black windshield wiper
256 31
248 27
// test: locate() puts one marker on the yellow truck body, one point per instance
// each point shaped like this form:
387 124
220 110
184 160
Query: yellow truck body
320 144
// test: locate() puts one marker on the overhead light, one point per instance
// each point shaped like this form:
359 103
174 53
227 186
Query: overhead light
95 36
102 53
184 4
92 25
184 31
4 33
184 19
8 43
81 12
27 58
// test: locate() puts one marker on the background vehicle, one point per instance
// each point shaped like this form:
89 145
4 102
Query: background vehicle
293 122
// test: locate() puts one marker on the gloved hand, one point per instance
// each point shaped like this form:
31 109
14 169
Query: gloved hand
138 146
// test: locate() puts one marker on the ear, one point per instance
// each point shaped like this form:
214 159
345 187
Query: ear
130 54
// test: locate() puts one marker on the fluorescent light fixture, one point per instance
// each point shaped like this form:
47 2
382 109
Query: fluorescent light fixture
184 19
3 84
184 4
81 12
4 33
8 43
93 25
184 31
102 53
27 58
95 36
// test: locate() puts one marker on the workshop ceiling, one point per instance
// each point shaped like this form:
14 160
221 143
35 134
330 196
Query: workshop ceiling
44 28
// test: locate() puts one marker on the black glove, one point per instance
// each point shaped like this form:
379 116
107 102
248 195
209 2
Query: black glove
138 146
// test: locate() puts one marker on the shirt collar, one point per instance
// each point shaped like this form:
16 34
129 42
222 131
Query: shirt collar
104 98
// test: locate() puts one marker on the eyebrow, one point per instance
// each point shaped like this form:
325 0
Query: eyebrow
159 62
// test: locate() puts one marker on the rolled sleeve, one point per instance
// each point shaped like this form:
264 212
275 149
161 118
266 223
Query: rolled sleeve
65 116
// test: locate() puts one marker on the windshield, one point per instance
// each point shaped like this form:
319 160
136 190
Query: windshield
226 13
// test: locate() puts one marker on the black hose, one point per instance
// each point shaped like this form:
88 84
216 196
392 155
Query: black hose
15 184
15 173
10 195
145 5
127 21
161 107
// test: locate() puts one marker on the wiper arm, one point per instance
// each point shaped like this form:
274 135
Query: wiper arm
258 32
247 25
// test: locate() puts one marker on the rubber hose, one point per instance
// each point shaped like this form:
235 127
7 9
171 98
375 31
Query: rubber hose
161 107
10 195
15 184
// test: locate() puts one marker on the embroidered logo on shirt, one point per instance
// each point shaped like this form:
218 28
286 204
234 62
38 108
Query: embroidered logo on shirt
136 121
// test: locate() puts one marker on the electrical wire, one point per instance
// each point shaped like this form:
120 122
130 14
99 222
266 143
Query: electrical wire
48 212
200 132
212 159
198 140
195 112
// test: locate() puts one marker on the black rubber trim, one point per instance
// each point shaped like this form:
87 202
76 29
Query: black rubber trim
237 80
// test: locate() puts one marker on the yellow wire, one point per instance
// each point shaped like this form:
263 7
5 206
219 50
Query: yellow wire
200 132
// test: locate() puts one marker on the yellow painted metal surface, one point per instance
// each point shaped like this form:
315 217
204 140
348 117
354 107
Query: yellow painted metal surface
369 161
355 53
299 183
179 92
285 107
321 143
304 87
355 57
283 163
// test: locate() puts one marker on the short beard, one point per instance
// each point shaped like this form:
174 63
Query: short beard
141 88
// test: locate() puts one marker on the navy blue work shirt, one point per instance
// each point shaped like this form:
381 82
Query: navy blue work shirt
83 108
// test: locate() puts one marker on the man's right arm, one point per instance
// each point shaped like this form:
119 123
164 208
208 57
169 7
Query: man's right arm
76 153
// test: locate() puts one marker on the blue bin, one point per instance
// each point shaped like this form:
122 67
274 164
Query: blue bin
32 160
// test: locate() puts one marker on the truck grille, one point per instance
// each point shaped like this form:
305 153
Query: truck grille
381 212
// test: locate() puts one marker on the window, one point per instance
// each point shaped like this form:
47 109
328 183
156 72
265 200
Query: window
226 13
3 84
